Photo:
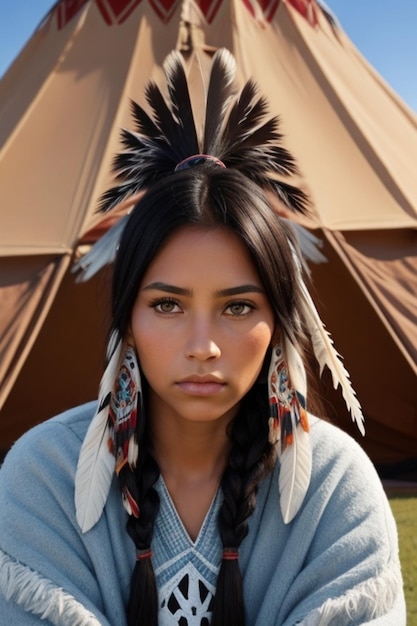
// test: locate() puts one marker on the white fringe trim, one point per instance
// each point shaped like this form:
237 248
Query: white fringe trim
371 599
40 596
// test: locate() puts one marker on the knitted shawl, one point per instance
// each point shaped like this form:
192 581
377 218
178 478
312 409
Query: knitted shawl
336 563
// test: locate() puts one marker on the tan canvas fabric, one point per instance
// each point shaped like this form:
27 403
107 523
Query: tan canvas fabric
27 289
62 104
366 295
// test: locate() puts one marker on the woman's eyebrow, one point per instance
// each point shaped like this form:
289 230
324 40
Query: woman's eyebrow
180 291
221 293
239 289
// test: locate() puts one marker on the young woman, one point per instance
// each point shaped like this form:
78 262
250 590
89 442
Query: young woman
200 489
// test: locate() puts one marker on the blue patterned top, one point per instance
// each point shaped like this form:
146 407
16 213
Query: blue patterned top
186 571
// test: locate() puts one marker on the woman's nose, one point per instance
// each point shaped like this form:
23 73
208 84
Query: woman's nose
201 342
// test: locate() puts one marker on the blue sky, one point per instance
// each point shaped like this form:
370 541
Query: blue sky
385 31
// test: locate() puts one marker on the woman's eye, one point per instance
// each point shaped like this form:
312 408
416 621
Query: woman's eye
239 308
166 306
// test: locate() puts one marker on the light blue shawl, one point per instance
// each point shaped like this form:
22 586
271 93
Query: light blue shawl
335 564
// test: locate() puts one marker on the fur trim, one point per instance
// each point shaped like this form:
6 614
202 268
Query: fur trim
40 596
369 600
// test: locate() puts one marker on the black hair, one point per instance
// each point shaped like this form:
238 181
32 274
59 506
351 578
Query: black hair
209 196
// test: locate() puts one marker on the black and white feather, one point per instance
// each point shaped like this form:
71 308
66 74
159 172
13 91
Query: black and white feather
237 130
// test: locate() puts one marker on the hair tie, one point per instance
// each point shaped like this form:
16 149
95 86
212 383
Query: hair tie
230 554
196 159
141 555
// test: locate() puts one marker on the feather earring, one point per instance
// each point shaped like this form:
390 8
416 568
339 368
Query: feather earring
111 440
124 410
288 426
96 462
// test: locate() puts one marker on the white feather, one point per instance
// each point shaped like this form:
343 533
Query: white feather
296 369
102 253
94 472
114 351
309 244
295 473
133 451
325 352
327 355
96 462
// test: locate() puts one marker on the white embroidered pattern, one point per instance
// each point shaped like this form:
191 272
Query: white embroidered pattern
185 570
186 600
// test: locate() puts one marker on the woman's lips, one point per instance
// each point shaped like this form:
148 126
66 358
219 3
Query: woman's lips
201 386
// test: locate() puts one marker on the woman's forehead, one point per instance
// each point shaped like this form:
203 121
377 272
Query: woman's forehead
199 253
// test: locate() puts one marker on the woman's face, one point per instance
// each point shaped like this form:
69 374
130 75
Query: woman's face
201 324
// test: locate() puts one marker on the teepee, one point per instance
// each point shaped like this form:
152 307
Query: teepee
62 103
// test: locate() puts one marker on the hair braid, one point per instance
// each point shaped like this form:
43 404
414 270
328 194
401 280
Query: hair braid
250 459
143 600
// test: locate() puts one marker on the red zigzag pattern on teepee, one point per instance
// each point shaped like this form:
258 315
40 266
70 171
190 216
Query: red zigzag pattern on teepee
117 11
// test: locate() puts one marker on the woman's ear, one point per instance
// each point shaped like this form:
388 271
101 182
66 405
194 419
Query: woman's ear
129 337
276 336
263 374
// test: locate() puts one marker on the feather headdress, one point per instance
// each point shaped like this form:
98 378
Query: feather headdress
238 134
236 130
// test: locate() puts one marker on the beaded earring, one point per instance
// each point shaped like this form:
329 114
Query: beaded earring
288 426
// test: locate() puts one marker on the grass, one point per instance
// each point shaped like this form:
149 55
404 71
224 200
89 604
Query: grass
405 513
